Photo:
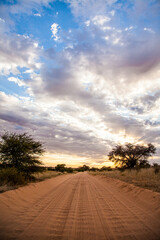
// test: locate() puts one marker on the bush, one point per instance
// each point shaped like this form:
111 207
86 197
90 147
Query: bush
156 168
83 168
12 177
60 167
69 170
104 168
94 169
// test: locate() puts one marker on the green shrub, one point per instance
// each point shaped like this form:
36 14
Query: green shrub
12 177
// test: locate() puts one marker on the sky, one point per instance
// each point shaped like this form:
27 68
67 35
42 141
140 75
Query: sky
81 76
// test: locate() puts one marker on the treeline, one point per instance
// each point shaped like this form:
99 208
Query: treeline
63 168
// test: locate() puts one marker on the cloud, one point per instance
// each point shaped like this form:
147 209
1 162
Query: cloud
37 15
100 20
100 88
62 138
80 7
17 81
21 6
2 20
54 29
146 103
111 72
17 51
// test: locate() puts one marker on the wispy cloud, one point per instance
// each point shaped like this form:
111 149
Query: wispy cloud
54 29
37 15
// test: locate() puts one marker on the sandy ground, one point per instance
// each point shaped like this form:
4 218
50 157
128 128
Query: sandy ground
80 207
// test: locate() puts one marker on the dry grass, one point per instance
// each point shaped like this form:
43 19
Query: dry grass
44 175
6 185
145 178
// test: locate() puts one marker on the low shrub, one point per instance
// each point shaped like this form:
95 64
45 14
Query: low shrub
69 170
11 176
156 168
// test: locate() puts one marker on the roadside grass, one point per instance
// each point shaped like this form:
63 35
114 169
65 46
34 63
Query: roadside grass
10 178
145 178
46 174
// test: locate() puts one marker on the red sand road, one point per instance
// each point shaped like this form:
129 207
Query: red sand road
79 207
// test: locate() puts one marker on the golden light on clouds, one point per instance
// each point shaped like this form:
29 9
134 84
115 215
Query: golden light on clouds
50 159
123 138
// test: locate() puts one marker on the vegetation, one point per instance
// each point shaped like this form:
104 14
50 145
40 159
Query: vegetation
19 159
83 168
62 168
156 168
132 156
19 163
12 177
104 168
40 176
21 152
145 177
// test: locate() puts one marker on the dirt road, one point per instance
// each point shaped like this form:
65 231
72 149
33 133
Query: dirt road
79 207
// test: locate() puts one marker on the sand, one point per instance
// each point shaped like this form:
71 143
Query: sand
80 207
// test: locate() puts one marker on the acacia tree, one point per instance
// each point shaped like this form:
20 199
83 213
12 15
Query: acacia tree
130 155
20 151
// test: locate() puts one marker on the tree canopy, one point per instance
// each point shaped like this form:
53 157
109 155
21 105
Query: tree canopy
131 155
20 151
60 167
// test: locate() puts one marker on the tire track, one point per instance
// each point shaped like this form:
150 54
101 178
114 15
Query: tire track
115 203
48 208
